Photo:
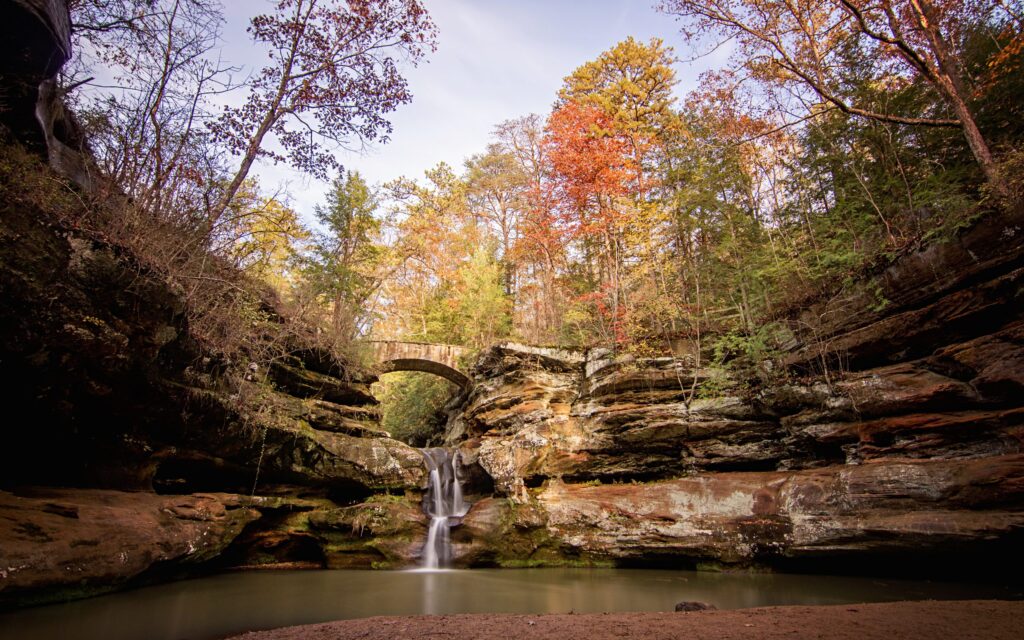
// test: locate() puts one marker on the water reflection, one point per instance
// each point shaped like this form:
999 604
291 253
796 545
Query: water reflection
233 603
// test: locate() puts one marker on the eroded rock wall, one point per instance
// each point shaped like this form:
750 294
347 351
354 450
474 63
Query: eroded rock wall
106 389
894 437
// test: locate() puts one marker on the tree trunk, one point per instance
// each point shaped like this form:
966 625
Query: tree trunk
950 84
248 159
273 113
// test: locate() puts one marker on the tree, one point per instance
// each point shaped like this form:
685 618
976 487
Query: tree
496 188
433 233
916 32
593 165
333 76
801 42
143 115
540 240
592 162
263 236
345 265
484 310
632 84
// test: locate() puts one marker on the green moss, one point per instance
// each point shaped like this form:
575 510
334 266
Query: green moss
521 563
555 561
299 523
343 546
388 498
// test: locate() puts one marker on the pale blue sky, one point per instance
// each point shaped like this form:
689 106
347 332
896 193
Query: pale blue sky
496 59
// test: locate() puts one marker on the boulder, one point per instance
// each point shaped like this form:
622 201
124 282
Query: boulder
693 605
384 532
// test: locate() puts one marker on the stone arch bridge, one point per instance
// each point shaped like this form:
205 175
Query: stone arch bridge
439 359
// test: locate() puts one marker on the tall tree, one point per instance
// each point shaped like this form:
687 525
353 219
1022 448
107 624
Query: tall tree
801 42
333 76
434 233
496 188
347 260
540 243
484 309
156 75
593 164
631 83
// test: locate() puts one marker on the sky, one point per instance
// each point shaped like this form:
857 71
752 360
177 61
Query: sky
495 60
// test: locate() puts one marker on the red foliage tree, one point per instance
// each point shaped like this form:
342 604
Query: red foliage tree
332 78
592 164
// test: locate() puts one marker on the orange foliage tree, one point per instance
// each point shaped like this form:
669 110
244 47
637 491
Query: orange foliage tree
593 165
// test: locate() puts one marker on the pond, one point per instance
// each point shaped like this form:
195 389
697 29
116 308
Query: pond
220 605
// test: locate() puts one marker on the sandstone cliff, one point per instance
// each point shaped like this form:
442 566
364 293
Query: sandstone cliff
133 451
893 437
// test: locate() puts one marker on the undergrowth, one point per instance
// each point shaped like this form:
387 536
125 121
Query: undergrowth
239 325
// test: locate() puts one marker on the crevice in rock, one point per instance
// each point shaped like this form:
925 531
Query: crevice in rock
271 541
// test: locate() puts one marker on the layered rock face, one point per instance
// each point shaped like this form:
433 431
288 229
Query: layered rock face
628 421
895 437
132 452
68 542
106 389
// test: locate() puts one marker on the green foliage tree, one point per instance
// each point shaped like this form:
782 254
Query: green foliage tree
484 309
265 237
410 403
346 262
496 187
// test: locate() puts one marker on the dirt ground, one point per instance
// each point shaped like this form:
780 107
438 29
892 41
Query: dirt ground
988 619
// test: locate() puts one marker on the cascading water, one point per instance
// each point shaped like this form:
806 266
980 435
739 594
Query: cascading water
444 504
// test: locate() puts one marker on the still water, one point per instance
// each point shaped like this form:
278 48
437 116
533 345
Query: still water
231 603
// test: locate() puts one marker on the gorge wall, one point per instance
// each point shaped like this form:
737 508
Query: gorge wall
891 442
891 438
132 452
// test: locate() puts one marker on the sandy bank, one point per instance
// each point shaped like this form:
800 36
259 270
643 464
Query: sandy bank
986 619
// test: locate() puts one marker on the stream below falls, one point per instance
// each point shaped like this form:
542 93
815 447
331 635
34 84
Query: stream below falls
225 604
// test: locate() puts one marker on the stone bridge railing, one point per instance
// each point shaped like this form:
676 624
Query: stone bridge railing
440 359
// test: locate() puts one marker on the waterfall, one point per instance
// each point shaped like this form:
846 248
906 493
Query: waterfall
444 504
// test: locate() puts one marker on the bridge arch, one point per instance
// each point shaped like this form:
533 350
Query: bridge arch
438 359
